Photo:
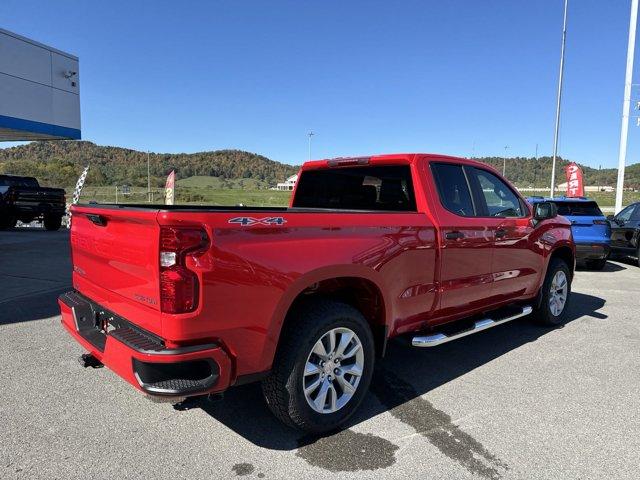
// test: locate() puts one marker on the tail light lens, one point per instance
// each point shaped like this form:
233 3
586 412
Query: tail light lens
179 286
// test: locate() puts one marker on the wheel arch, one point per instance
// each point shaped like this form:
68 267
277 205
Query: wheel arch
354 286
566 253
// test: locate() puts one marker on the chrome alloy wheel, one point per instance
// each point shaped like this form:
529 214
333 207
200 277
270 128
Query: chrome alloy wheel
558 293
333 370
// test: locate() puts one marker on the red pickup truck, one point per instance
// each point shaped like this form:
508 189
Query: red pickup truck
187 300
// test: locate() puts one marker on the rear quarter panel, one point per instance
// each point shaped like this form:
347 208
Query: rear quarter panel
252 274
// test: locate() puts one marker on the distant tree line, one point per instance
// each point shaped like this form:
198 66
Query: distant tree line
60 163
532 172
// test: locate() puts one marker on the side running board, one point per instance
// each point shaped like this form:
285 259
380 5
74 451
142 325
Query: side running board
439 338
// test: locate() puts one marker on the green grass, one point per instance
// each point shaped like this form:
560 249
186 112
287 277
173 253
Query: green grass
222 183
188 195
605 199
202 190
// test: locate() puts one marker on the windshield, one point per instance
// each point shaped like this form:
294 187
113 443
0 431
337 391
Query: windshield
579 209
18 182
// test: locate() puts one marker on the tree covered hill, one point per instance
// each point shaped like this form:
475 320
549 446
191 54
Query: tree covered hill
531 172
60 163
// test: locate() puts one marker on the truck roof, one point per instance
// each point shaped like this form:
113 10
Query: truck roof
389 159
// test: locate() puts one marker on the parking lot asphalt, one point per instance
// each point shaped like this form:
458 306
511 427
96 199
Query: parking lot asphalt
515 402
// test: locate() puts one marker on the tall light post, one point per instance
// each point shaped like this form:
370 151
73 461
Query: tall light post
504 160
559 100
148 179
310 134
626 104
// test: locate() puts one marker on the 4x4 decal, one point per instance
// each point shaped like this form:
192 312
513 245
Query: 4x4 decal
251 221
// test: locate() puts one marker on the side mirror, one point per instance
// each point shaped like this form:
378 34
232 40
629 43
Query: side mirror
545 210
611 218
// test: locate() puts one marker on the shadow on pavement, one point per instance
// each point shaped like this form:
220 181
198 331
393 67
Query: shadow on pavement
400 379
33 306
609 267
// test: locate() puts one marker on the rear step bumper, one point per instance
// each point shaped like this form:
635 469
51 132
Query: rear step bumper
435 339
142 358
592 251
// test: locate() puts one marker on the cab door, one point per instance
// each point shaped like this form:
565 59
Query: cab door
465 255
624 228
515 264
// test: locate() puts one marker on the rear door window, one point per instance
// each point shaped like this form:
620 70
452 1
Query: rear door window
453 188
357 188
627 214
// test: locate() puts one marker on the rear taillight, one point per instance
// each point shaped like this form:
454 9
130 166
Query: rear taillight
600 222
179 285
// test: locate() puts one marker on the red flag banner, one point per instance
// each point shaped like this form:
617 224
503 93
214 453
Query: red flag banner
575 182
169 188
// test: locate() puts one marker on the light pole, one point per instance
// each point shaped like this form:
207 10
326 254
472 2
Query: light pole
310 134
559 100
504 160
626 104
148 180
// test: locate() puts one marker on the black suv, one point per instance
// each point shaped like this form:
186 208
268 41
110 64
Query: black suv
625 232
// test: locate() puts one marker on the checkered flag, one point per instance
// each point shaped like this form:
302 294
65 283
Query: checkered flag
76 192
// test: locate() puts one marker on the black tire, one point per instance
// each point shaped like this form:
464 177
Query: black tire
638 256
8 222
542 313
283 389
596 264
52 222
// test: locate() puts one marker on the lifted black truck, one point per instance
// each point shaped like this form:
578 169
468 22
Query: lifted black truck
22 198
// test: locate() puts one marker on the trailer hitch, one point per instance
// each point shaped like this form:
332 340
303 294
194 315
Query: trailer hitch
88 360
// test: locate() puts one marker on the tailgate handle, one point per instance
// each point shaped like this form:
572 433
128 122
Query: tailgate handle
97 219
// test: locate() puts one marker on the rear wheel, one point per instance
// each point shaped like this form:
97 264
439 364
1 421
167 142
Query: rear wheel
52 222
556 292
7 222
596 264
323 367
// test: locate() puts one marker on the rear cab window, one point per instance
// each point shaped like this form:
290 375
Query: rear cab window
377 188
579 209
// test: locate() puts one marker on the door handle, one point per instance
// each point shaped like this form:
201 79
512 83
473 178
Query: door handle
500 232
455 235
97 219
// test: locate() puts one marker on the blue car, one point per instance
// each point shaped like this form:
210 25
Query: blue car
591 230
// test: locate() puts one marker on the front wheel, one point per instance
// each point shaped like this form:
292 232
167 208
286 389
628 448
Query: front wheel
52 222
323 367
556 291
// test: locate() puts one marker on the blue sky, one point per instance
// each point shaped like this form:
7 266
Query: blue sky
460 77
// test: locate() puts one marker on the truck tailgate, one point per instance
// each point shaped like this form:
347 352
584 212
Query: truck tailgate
116 252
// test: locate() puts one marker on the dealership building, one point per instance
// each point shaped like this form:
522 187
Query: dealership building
39 91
